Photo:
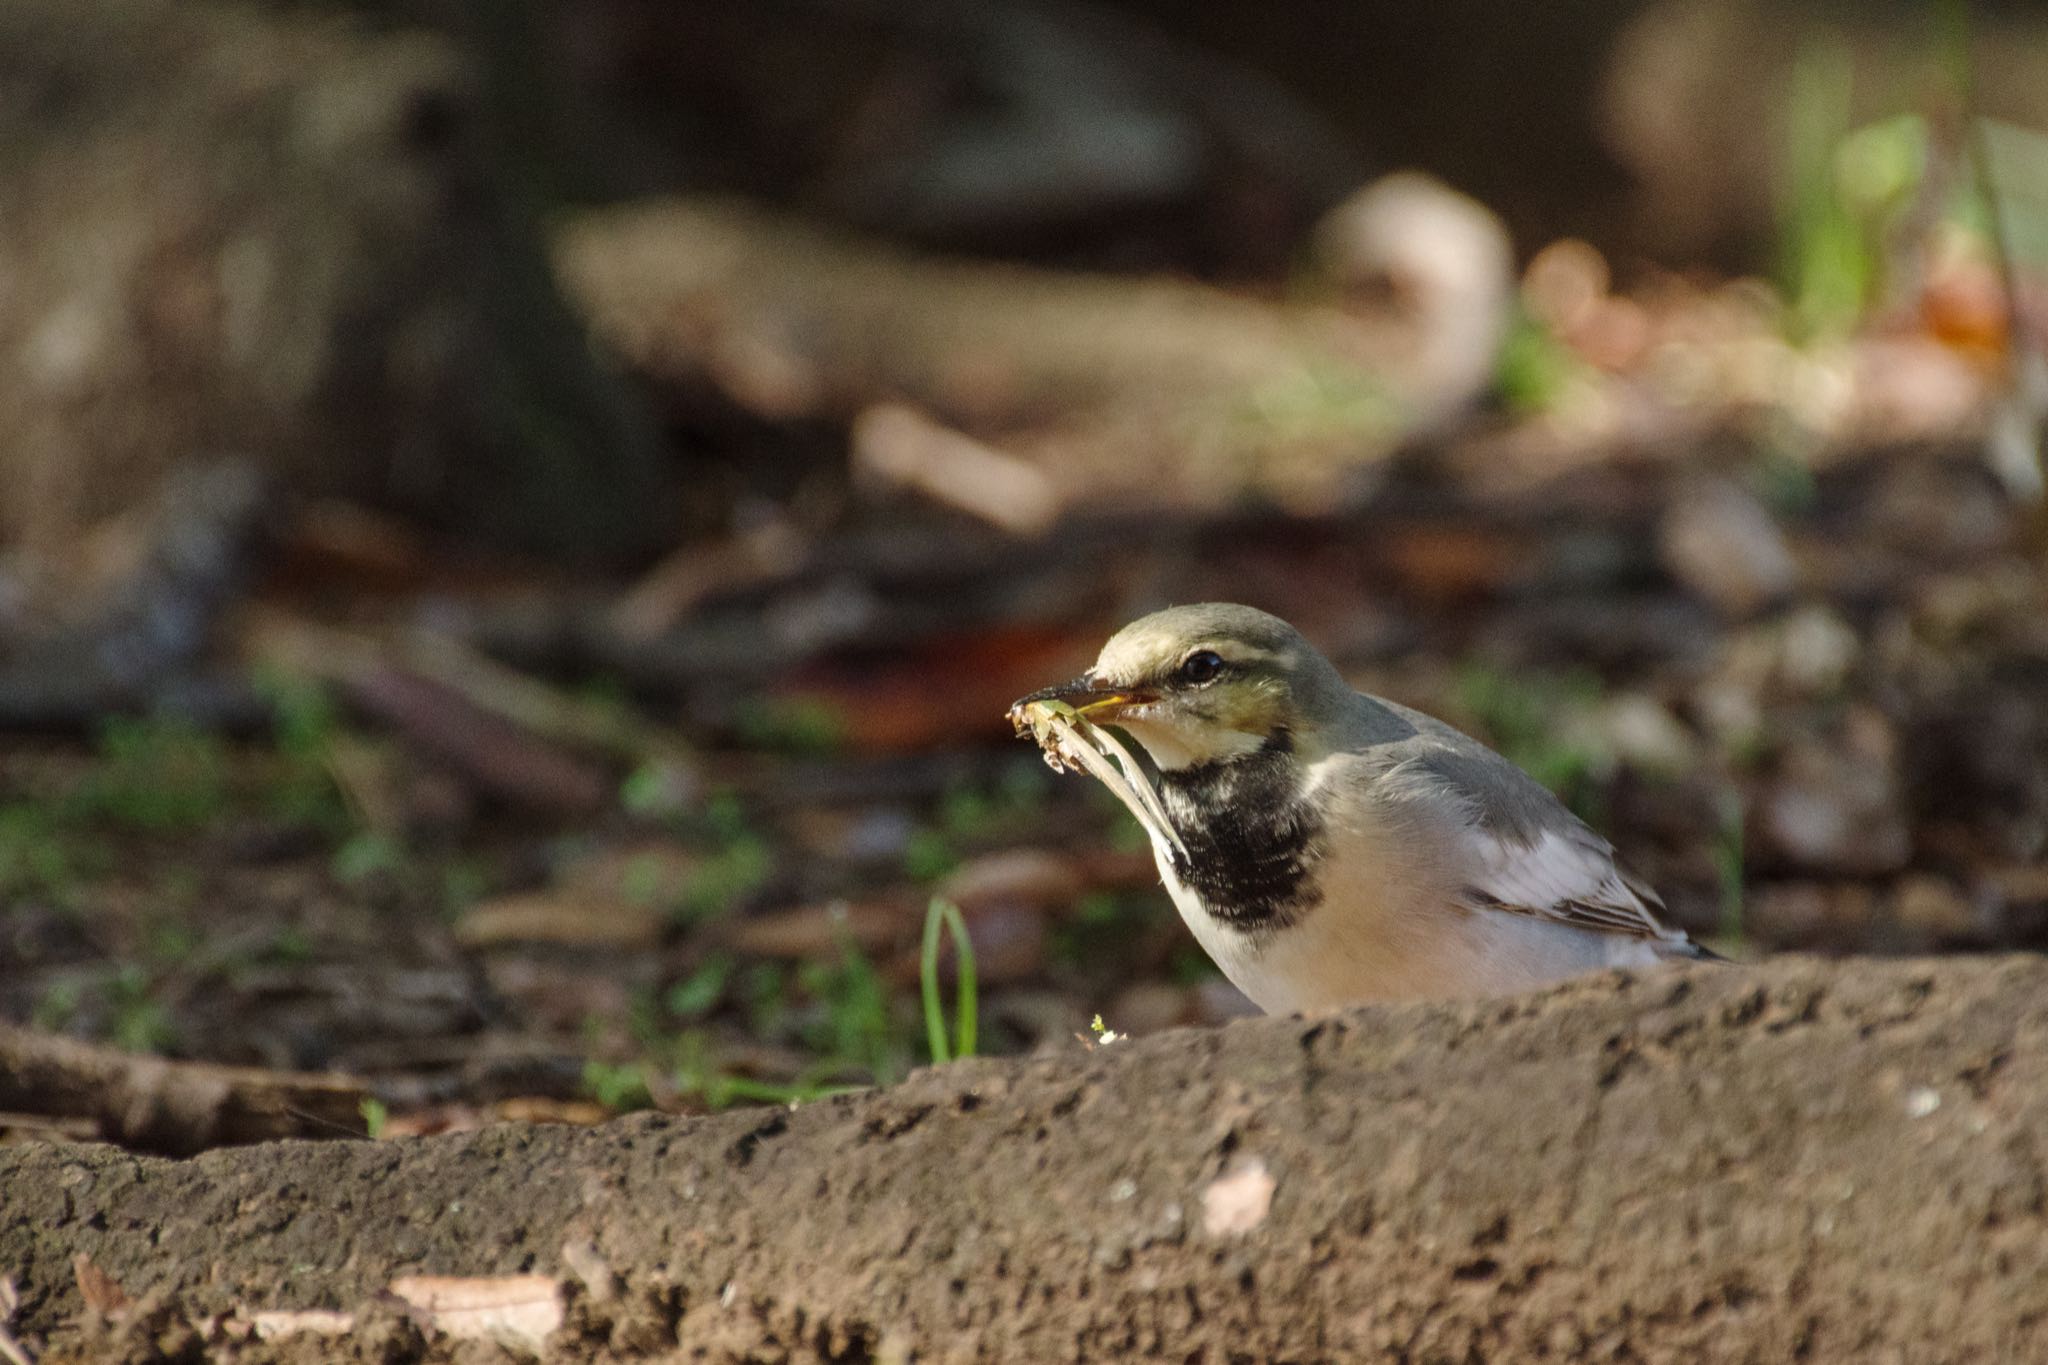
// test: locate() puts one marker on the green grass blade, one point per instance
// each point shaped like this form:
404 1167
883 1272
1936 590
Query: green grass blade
928 977
967 1012
966 1005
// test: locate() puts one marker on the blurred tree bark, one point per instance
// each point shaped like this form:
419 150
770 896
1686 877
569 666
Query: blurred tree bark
258 232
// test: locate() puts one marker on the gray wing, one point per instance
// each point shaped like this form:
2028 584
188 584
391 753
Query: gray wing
1519 850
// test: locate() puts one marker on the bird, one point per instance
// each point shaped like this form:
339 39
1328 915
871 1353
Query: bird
1328 847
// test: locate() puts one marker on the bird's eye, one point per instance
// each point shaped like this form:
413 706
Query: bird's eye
1200 667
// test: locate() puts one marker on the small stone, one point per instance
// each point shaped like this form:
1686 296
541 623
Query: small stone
1835 805
1641 732
1816 650
1238 1200
1721 542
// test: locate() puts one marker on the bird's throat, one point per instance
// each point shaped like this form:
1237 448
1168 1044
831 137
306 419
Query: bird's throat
1253 837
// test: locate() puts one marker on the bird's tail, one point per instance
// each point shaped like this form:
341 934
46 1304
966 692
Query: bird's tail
1685 950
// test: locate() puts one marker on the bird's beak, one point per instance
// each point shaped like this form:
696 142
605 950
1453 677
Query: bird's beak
1097 701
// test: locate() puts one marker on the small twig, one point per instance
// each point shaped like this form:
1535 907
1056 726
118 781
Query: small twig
174 1107
345 659
897 444
665 597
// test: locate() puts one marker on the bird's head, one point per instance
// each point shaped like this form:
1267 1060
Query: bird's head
1204 684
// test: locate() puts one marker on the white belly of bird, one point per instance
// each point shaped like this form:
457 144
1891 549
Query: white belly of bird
1363 943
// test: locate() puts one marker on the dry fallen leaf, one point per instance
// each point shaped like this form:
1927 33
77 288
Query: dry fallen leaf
517 1309
102 1293
567 918
1443 563
949 689
322 1322
11 1351
816 931
1034 877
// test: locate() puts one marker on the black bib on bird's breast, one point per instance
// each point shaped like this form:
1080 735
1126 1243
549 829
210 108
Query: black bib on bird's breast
1252 839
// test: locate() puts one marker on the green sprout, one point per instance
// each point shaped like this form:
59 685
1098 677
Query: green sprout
857 1029
618 1086
366 855
929 855
790 725
140 1022
698 994
36 856
944 912
157 776
1534 369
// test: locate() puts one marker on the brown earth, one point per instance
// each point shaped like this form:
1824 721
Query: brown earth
1801 1160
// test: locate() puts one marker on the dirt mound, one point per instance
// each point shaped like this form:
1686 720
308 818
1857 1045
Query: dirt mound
1802 1159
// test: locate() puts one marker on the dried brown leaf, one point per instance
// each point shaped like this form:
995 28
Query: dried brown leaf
561 917
1016 876
322 1322
102 1293
812 931
517 1309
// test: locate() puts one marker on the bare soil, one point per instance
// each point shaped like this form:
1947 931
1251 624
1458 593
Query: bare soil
1714 1164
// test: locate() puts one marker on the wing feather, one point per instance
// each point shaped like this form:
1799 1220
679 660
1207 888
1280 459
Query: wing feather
1569 877
1520 850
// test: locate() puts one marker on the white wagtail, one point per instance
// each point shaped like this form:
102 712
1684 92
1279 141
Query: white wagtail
1328 847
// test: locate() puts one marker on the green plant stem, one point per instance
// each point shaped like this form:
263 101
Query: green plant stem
965 1006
